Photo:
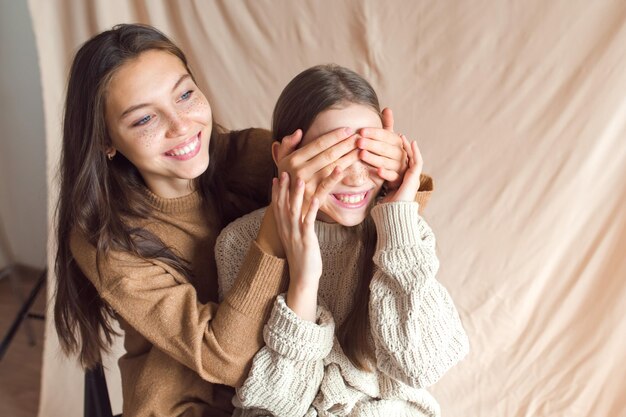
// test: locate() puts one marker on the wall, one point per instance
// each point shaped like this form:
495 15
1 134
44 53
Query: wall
22 142
520 113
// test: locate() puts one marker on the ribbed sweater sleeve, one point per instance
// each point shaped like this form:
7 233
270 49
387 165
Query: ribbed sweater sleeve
286 374
216 341
416 329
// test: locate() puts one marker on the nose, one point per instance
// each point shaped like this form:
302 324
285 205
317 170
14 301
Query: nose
355 175
178 124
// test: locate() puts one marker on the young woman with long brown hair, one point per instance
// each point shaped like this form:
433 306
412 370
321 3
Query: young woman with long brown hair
147 182
358 260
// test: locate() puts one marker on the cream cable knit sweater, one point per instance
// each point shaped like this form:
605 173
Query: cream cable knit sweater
415 327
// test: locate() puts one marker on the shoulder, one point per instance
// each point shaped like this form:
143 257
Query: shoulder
244 165
231 248
237 141
241 231
102 270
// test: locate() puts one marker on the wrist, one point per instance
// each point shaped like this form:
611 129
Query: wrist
302 300
267 238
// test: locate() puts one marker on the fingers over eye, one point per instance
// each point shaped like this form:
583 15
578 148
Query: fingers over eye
388 174
377 161
330 156
322 143
381 135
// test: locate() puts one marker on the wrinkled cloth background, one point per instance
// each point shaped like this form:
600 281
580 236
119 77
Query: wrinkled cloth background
519 108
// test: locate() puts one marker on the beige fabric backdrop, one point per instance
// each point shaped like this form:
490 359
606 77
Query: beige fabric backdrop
519 108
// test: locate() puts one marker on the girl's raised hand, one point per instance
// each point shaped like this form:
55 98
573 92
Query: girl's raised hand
295 227
314 162
411 180
384 150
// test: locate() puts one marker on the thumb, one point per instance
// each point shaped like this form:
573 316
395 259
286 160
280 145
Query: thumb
387 119
411 181
286 146
292 141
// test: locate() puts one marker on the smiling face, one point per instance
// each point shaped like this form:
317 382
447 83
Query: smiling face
160 121
350 200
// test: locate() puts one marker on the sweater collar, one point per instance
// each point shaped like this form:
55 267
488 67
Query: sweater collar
189 202
335 232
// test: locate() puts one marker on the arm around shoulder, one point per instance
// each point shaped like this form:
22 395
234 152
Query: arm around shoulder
157 301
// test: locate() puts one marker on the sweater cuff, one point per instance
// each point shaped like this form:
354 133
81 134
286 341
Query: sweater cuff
299 339
260 279
397 225
425 191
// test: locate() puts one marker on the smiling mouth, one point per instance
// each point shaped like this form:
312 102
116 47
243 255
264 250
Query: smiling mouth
186 148
352 200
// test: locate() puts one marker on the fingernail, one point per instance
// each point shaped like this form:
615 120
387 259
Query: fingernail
349 131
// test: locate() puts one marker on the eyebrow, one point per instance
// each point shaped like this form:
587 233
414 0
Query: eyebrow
138 106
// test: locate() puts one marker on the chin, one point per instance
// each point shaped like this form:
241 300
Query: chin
351 220
200 168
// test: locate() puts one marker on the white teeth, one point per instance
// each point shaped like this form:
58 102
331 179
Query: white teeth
185 150
350 199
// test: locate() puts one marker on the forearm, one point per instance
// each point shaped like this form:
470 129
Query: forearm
267 238
417 331
287 373
239 320
156 301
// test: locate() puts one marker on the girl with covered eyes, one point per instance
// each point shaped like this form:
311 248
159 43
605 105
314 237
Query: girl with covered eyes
364 326
147 181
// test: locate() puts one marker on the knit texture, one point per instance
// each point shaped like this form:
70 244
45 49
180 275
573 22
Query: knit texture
415 328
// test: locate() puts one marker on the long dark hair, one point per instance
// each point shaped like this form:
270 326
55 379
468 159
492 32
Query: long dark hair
99 197
307 95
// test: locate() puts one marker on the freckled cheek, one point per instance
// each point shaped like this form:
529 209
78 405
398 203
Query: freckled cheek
198 106
148 137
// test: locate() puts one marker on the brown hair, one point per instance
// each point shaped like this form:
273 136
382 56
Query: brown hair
98 197
311 92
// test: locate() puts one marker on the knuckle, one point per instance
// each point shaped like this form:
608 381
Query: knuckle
330 156
329 170
325 185
319 145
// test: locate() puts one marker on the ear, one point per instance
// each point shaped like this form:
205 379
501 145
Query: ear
110 152
275 150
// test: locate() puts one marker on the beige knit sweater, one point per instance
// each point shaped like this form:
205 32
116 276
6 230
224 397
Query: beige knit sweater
415 328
